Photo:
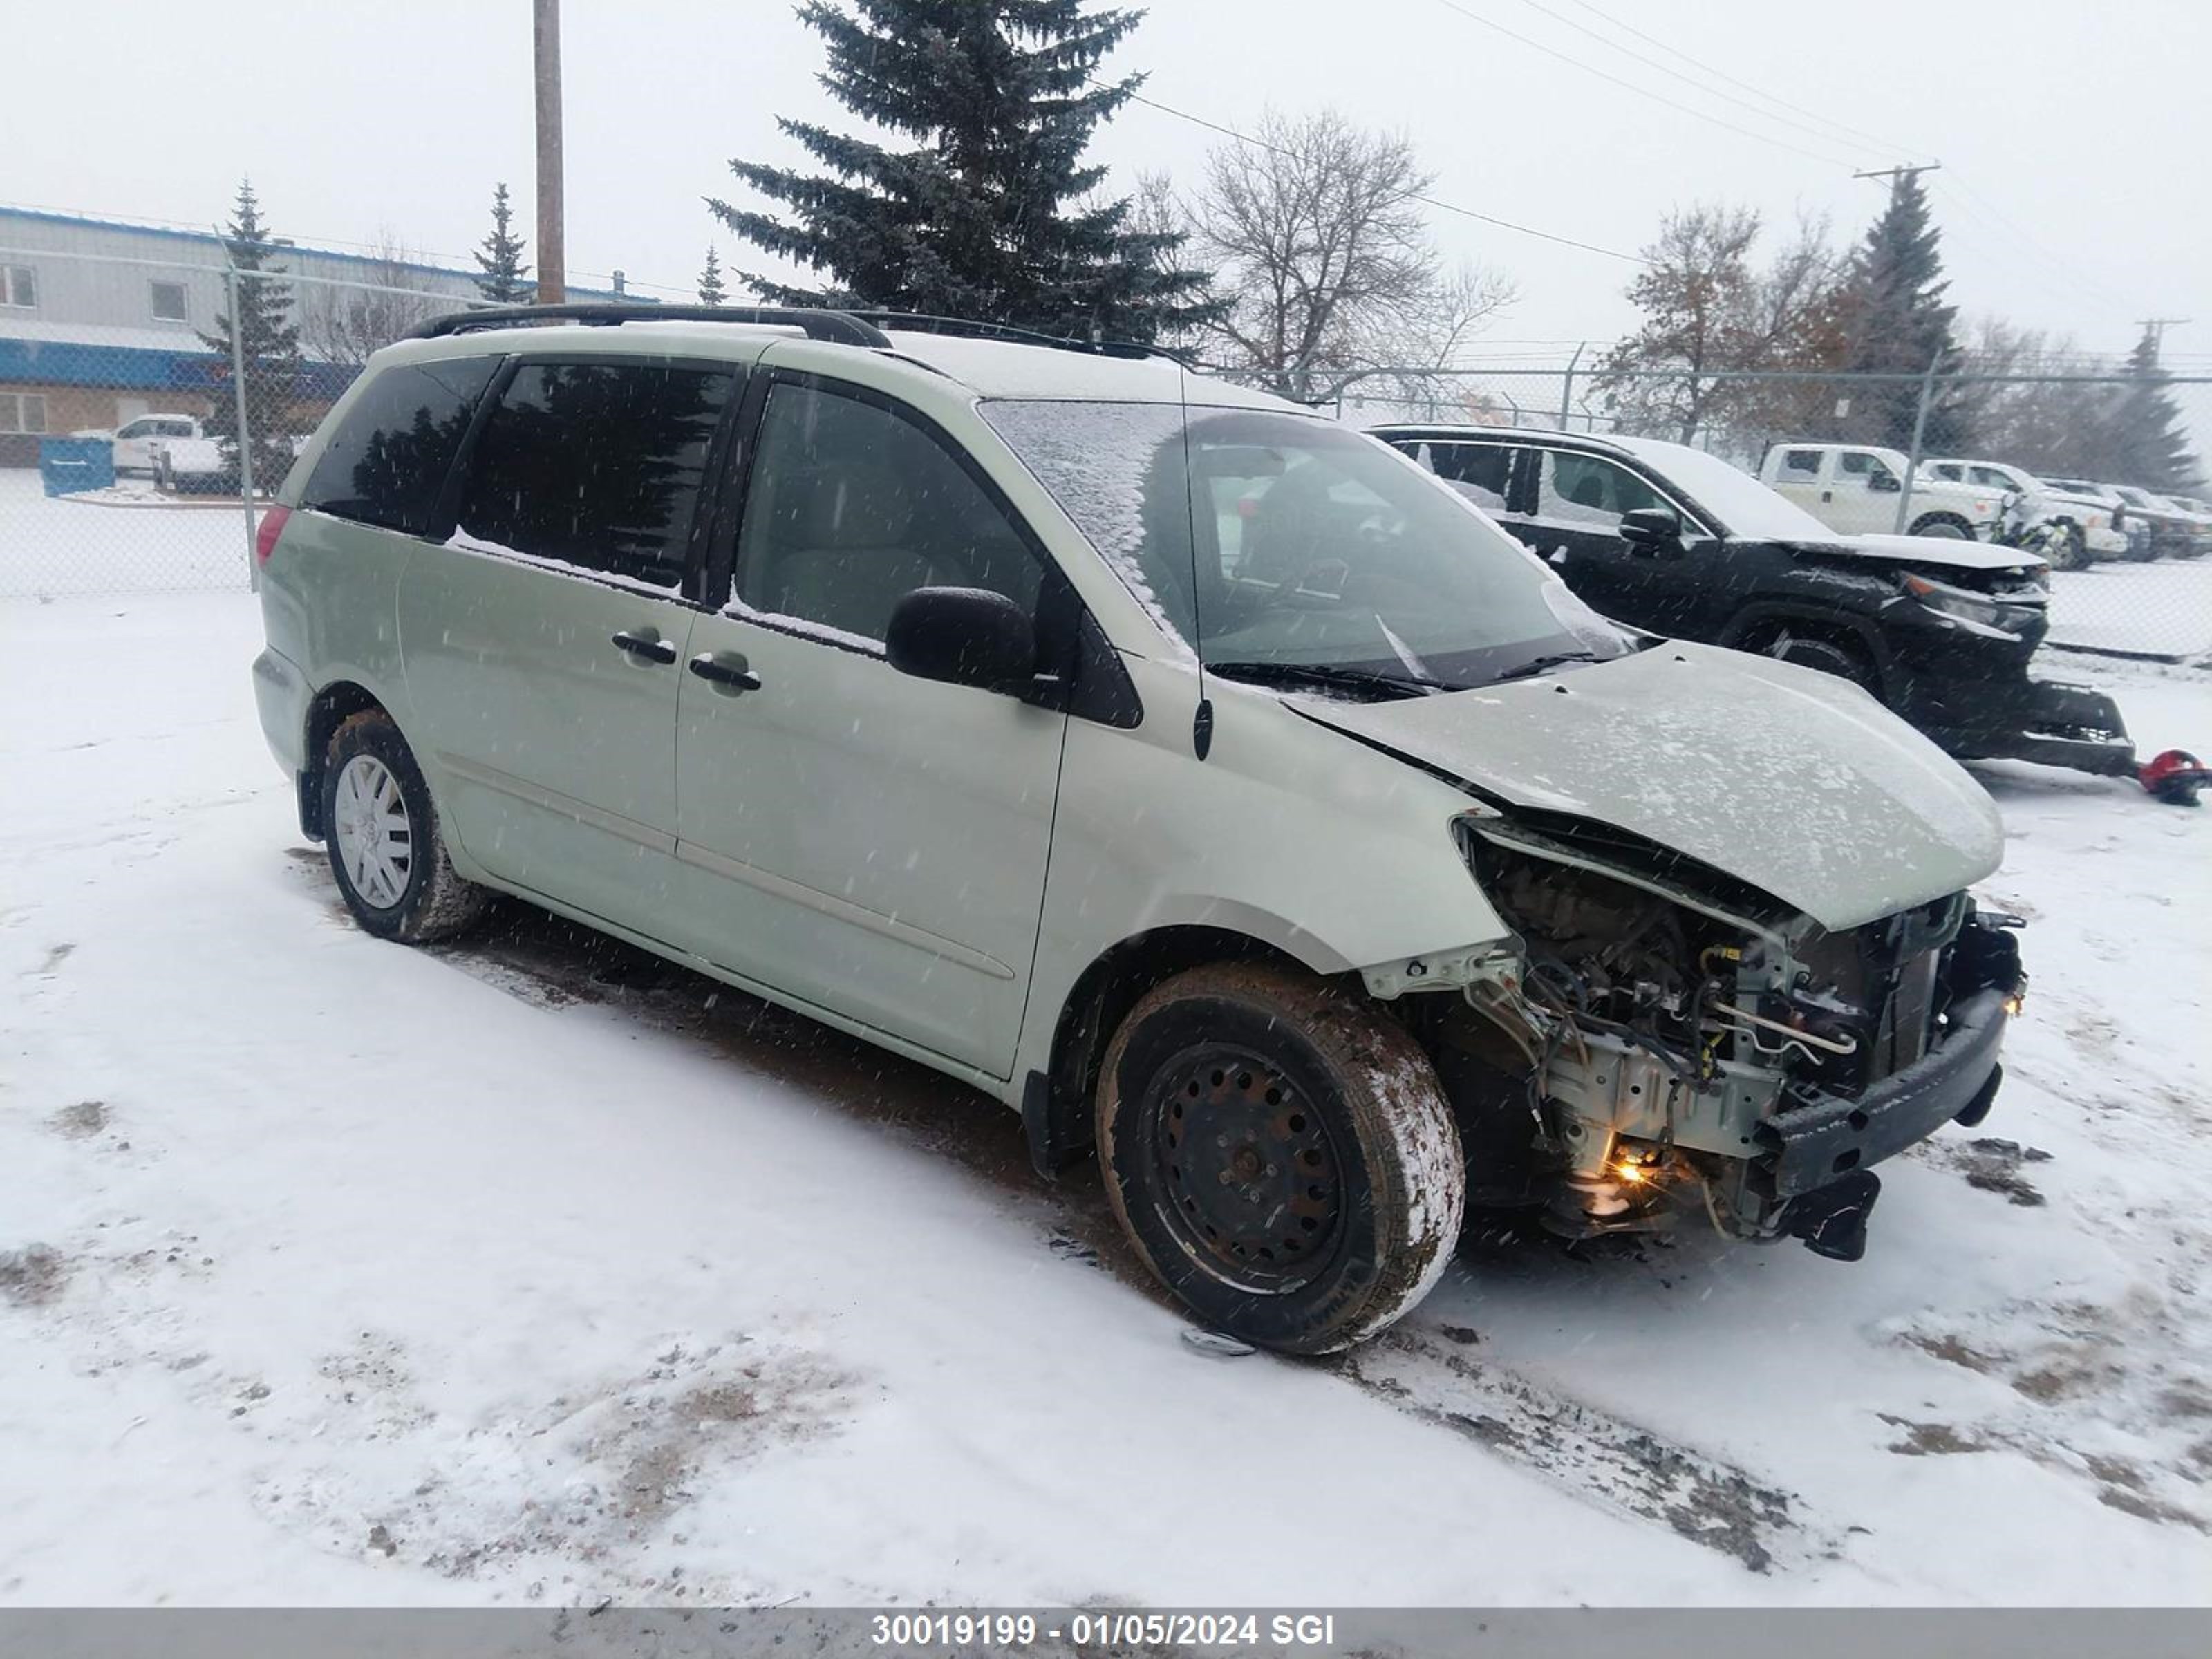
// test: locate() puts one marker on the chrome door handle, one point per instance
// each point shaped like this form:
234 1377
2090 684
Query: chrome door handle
653 648
730 674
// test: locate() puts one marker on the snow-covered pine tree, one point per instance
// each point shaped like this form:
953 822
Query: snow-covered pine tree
711 291
267 343
986 210
505 280
2144 441
1897 323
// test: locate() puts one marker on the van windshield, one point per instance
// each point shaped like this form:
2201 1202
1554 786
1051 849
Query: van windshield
1282 547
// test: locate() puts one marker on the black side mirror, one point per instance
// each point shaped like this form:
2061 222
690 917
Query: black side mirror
964 636
1652 530
1883 483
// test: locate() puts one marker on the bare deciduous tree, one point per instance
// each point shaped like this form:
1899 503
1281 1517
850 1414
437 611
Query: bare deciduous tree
346 324
1708 309
1324 259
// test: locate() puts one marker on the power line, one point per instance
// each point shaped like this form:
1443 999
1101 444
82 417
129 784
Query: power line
1657 97
1747 86
1426 200
1786 120
1978 206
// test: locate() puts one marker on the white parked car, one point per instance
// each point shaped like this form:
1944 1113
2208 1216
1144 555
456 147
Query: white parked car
1856 488
138 443
2086 522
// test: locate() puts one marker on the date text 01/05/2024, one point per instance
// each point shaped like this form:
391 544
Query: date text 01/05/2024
939 1628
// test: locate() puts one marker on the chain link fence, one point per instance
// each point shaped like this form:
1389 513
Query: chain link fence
134 454
2032 459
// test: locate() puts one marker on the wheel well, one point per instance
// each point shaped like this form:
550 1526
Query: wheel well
335 704
1056 1104
1758 635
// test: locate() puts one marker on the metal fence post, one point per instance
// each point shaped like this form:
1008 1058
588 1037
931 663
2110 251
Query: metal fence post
245 429
1567 384
1919 432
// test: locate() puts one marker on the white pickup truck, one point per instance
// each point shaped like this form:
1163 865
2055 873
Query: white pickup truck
138 443
2086 524
1856 489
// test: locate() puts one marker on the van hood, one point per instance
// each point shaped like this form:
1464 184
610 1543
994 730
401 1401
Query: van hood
1957 552
1794 781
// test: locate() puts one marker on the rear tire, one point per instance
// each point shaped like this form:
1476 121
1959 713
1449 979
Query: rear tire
386 848
1944 528
1281 1155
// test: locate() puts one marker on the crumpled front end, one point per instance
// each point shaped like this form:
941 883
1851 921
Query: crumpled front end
1671 1044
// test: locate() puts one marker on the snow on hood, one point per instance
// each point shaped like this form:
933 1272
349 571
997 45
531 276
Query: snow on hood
1955 551
1792 781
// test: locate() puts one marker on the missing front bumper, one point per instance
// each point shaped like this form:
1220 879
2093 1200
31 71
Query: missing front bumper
1815 1145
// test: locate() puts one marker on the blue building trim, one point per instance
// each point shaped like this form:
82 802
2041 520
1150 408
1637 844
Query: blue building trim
140 368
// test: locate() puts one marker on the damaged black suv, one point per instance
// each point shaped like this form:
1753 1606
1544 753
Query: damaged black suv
1670 539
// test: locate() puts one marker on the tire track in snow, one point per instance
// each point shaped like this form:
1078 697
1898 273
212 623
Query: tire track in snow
1626 1470
1590 1453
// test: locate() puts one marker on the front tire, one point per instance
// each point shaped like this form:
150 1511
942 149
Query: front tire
1943 527
1811 651
1281 1155
386 848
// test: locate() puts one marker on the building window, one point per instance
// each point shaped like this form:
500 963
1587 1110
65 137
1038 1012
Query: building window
169 303
22 412
18 286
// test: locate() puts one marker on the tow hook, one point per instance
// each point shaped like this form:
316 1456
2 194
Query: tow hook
1831 1220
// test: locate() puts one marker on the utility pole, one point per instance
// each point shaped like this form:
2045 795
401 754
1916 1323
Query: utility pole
1898 175
2156 327
552 254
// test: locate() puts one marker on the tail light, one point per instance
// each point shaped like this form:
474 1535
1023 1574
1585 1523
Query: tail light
273 526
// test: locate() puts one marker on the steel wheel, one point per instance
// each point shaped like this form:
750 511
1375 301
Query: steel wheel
374 838
1254 1182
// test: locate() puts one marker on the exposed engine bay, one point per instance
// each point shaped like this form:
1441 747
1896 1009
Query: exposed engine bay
1664 1042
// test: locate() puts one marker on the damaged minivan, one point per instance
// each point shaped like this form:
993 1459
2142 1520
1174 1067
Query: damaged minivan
1198 777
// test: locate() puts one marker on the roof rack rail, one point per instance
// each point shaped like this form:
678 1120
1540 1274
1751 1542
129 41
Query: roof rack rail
839 327
922 322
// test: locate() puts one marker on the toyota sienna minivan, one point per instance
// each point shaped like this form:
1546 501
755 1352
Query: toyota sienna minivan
1198 777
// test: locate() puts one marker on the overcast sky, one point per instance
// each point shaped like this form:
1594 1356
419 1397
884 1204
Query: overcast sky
2074 138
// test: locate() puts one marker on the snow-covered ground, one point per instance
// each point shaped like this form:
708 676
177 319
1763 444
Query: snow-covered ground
2162 609
127 540
526 1270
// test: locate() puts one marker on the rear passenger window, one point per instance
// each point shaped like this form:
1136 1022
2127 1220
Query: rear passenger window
1480 470
386 462
595 465
851 507
1801 463
1584 488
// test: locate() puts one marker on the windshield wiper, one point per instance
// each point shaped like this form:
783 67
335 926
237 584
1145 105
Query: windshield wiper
1540 664
1331 675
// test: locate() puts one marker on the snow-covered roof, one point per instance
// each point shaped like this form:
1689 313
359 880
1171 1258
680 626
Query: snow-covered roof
176 337
990 368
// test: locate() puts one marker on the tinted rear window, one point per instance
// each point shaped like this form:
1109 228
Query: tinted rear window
596 465
387 460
